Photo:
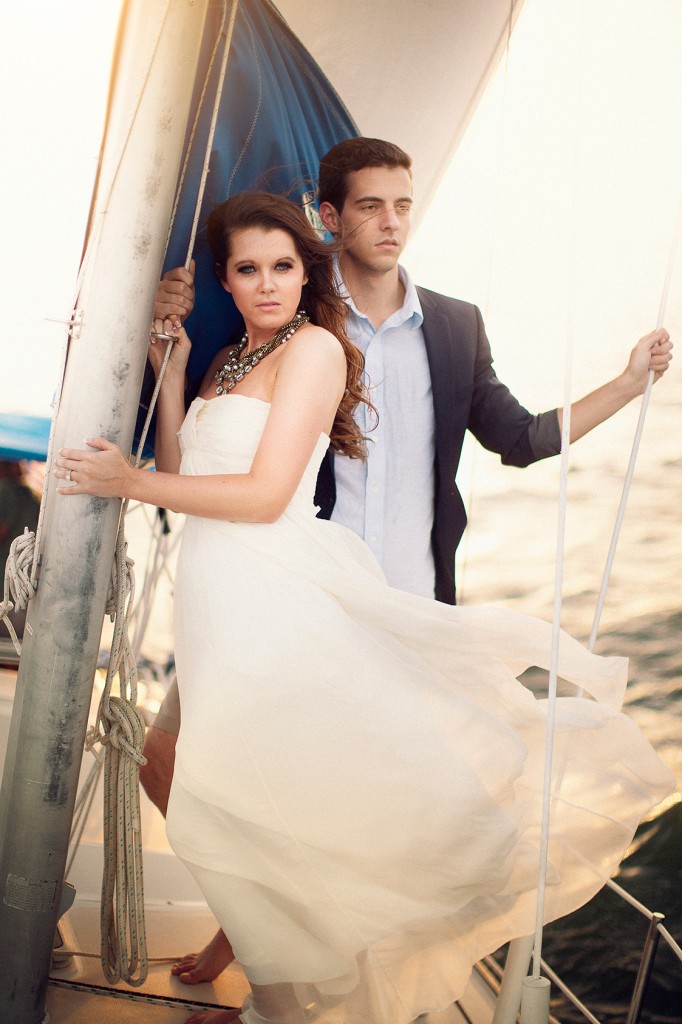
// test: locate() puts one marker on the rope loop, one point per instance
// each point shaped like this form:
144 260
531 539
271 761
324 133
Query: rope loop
19 588
126 730
123 940
123 951
93 738
128 581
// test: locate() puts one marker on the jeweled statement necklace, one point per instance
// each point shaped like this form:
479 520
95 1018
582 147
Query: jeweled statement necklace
236 367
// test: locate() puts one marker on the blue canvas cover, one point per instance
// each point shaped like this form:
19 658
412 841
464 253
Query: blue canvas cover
278 115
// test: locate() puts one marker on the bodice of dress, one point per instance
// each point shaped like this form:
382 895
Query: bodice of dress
222 435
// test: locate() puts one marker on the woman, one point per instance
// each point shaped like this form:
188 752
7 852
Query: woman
358 778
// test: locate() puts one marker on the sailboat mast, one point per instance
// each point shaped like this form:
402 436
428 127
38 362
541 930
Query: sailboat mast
155 69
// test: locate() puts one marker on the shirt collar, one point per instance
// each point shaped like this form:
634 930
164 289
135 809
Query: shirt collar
411 308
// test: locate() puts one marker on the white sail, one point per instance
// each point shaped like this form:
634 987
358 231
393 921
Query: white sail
411 71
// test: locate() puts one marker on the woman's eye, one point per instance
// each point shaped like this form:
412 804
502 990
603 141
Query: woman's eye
246 269
284 266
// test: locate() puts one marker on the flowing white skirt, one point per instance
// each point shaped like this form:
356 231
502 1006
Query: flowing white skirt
359 773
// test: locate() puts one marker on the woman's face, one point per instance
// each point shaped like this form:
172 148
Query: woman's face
264 274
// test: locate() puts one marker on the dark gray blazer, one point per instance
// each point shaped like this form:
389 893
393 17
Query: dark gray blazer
467 395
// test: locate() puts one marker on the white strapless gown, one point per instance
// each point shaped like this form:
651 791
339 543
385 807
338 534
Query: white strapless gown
358 777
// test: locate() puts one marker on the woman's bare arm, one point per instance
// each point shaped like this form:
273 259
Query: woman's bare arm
307 390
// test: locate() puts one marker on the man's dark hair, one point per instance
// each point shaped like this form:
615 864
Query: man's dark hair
354 155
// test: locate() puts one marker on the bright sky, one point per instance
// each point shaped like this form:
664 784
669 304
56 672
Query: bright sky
556 216
55 59
564 194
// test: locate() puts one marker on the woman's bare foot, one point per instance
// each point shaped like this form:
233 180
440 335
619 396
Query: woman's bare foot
206 966
214 1017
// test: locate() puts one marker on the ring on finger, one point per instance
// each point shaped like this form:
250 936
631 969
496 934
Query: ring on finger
68 476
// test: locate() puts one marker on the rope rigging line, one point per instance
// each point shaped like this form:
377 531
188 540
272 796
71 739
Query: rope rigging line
560 548
547 784
123 937
665 291
211 132
122 915
160 550
537 961
470 504
121 726
195 125
197 207
554 663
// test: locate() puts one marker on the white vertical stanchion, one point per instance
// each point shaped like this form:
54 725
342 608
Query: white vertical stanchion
535 1001
515 971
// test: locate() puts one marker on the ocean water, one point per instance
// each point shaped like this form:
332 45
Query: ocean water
509 558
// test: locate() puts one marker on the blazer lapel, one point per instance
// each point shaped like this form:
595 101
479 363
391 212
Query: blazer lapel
441 354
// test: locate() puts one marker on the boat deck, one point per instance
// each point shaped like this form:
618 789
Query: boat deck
164 999
171 930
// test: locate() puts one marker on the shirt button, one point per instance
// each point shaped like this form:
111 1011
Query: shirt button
375 489
372 539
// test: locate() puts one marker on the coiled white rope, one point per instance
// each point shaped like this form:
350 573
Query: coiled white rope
18 589
124 945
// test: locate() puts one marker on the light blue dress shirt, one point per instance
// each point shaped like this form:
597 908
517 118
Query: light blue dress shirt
389 499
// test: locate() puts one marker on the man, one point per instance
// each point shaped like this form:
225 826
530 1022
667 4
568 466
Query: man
429 367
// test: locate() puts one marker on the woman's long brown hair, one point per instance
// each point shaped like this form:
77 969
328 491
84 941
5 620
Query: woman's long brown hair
320 295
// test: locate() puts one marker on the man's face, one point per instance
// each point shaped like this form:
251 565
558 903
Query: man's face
375 220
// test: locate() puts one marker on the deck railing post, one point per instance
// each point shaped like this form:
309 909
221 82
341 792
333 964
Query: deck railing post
645 967
515 971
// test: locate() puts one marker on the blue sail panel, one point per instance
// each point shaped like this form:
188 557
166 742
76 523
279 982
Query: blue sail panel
278 115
